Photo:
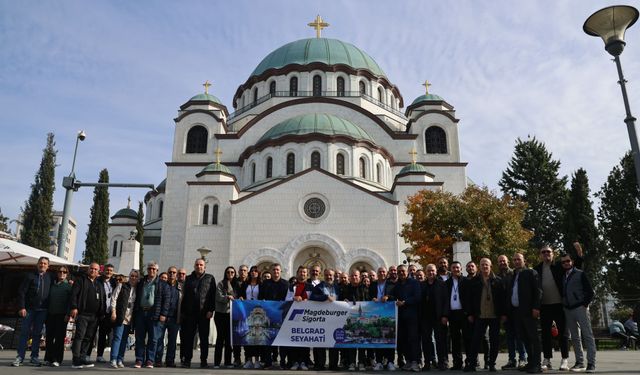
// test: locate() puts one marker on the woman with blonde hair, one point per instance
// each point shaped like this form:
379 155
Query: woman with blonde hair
122 301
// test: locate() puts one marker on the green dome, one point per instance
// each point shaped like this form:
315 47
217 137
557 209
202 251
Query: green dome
427 98
126 213
413 168
216 167
311 123
321 50
207 97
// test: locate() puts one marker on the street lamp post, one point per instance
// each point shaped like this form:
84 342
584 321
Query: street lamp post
610 24
203 253
69 184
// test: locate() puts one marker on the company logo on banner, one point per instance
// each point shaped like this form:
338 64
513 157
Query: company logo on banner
314 324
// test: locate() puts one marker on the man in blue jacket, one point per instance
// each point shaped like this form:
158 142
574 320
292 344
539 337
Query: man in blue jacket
33 300
407 296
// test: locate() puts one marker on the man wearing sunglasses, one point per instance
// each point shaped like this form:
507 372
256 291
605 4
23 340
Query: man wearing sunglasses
172 325
87 307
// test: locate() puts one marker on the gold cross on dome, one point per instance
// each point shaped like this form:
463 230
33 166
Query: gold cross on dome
206 85
413 154
318 24
426 85
218 152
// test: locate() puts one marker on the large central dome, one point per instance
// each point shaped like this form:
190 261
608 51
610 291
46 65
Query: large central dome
320 50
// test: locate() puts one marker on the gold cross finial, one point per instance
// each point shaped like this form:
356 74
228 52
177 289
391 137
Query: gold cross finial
206 85
129 202
413 154
426 85
318 24
218 152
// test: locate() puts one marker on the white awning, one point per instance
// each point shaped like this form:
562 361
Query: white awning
16 253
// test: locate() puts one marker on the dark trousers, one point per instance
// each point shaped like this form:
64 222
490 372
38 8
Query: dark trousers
56 332
320 358
382 354
457 329
479 330
190 325
85 326
351 356
170 328
549 314
431 328
103 332
408 337
527 329
223 339
237 353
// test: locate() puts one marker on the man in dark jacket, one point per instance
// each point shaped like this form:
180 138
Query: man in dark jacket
457 318
87 307
198 303
577 295
151 310
513 341
434 310
407 296
33 300
380 291
524 296
356 291
326 291
171 325
486 311
103 328
274 289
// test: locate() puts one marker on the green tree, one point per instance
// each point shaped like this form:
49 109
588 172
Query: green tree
140 235
36 215
4 223
489 222
532 176
619 219
96 244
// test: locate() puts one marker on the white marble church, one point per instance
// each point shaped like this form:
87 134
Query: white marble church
313 166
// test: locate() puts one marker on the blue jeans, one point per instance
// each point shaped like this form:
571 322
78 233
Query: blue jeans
119 343
146 328
31 327
172 326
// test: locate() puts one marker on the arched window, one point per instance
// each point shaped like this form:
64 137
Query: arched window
197 140
362 88
315 159
340 164
317 85
272 88
255 96
293 86
121 242
380 95
340 86
253 172
435 140
205 214
149 209
160 209
291 163
114 252
214 215
363 166
378 173
269 167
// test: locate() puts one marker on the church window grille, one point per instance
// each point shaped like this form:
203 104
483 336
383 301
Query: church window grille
197 140
291 163
340 164
362 88
293 86
205 214
253 172
160 209
314 208
214 215
435 140
380 95
115 249
378 173
269 167
315 159
363 166
317 85
272 88
340 86
255 96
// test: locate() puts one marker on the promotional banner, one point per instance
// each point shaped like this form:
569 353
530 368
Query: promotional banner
314 324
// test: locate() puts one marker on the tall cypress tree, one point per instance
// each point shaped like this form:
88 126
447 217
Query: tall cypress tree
532 177
4 223
36 215
96 244
619 219
140 235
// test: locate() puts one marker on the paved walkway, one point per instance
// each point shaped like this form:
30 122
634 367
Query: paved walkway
608 362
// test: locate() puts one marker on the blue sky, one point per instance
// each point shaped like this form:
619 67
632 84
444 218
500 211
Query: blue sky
121 69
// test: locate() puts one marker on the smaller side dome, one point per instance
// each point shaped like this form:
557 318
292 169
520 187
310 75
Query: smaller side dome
126 213
412 168
205 97
427 98
215 167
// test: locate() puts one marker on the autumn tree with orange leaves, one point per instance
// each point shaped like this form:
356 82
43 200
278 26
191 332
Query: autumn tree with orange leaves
492 224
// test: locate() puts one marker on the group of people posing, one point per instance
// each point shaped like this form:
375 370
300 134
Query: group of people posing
441 312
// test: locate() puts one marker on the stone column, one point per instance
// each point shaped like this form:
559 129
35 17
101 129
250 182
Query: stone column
130 257
462 252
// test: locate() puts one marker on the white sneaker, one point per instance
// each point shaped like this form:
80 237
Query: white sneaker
295 366
113 364
522 363
248 365
564 364
120 364
17 362
391 366
55 364
100 359
378 367
303 366
546 364
257 365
